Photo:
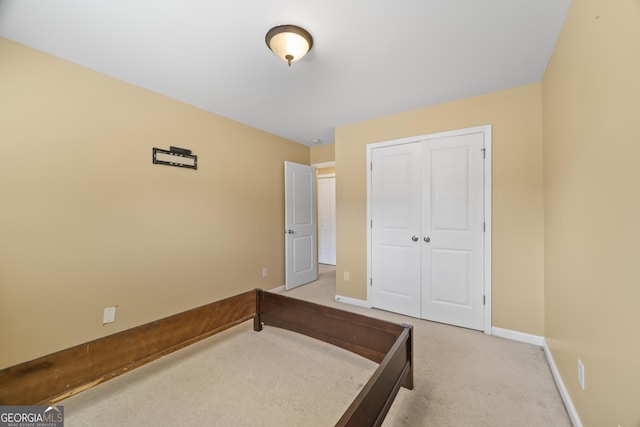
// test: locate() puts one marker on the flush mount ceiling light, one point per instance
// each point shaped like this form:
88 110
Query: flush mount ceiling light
289 42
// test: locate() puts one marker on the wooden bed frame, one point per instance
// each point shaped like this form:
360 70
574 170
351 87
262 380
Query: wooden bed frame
52 378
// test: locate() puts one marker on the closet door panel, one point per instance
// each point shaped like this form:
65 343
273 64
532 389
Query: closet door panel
452 219
395 228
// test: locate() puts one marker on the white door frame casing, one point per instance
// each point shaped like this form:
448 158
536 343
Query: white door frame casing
486 131
323 165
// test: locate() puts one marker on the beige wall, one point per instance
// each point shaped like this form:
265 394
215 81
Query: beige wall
591 107
82 204
87 221
322 153
517 195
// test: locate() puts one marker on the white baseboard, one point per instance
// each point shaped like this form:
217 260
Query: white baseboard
564 393
517 336
353 301
542 342
277 290
507 334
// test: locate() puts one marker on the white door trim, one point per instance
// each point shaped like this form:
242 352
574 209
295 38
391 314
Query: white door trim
486 130
323 165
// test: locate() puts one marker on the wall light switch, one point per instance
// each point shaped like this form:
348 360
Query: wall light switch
265 272
109 315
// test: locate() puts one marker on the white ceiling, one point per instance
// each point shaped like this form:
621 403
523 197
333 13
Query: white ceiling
370 58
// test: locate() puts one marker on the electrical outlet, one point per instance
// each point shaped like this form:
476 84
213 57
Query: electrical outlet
265 272
345 276
580 374
109 315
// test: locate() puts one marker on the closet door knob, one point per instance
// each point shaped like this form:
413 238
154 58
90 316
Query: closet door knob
427 239
414 238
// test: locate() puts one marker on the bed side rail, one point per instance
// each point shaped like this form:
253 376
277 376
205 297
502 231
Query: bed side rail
371 405
54 377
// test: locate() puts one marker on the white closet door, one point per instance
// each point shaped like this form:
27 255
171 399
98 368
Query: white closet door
427 231
453 236
327 220
395 228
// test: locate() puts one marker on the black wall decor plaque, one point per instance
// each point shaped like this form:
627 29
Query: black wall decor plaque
175 157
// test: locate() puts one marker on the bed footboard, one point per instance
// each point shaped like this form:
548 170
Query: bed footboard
386 343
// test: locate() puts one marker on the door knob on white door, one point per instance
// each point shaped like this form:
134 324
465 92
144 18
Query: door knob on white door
427 239
290 232
414 238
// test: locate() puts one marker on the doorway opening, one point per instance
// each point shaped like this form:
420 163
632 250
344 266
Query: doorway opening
326 213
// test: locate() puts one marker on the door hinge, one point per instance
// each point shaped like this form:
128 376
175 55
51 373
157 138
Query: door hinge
484 226
371 224
484 153
484 300
371 281
371 166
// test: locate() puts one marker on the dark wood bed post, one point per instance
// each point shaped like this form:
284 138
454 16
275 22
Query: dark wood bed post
257 319
408 380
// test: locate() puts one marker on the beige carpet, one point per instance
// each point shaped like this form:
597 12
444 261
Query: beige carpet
279 378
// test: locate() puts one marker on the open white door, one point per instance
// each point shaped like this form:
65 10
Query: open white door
300 224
